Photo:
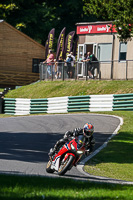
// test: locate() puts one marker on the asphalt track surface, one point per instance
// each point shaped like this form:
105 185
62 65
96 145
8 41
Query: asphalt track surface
25 142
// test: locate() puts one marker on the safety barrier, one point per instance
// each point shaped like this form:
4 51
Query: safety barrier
57 105
18 106
38 106
101 102
78 103
9 106
123 101
66 104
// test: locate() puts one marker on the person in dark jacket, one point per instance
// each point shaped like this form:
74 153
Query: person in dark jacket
87 131
69 65
92 63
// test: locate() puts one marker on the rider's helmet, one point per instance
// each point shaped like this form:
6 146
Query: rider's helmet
88 130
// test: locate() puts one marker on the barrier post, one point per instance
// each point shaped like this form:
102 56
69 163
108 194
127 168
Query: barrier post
63 71
126 69
86 66
1 105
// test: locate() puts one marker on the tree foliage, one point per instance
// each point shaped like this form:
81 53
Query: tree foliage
30 17
37 17
118 11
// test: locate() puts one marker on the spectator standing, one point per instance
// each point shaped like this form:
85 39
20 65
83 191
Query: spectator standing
86 63
92 64
59 67
85 58
90 67
50 62
69 70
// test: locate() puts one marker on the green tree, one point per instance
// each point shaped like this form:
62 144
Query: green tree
37 17
30 17
6 7
118 11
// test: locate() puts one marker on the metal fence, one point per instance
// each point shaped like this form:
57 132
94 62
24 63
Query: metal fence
81 70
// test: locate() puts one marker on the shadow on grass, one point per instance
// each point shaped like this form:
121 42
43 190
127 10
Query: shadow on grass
18 187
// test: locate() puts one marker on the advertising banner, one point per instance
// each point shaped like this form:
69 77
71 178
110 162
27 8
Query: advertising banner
75 49
69 43
49 42
51 38
46 49
60 44
96 28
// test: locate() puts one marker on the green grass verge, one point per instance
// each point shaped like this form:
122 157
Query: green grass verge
45 89
116 160
4 115
39 188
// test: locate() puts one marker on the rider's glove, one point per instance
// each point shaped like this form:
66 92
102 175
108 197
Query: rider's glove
67 135
87 152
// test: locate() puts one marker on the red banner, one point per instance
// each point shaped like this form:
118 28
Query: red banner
97 28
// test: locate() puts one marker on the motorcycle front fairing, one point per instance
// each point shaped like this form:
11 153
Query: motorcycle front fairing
75 147
65 150
80 140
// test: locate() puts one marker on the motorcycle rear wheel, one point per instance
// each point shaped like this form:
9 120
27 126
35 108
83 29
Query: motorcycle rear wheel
48 167
65 166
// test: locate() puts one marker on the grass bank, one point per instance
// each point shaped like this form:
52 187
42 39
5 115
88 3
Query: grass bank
39 188
46 89
116 160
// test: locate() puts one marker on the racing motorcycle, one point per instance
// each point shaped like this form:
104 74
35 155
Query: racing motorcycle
68 156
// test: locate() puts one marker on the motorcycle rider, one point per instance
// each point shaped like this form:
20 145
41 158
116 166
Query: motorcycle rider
86 131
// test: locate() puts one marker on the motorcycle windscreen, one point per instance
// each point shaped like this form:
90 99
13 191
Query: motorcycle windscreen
80 141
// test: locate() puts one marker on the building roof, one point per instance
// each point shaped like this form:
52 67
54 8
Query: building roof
24 35
98 22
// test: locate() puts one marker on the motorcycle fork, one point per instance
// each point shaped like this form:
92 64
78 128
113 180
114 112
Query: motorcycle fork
66 156
77 160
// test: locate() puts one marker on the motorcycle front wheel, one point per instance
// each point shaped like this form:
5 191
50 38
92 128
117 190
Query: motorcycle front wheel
48 167
64 166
